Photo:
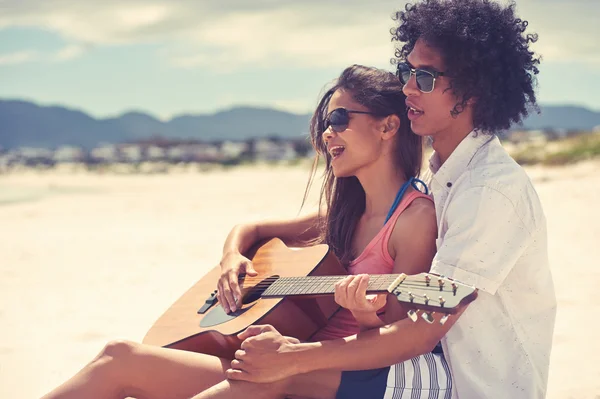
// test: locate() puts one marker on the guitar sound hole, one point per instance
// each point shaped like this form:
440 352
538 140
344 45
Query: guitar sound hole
254 293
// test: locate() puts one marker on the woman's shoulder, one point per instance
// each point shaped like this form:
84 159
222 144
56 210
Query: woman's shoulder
416 223
420 210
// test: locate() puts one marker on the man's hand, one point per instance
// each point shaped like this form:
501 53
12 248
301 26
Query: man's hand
264 356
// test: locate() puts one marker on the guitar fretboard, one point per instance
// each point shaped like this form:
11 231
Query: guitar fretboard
322 285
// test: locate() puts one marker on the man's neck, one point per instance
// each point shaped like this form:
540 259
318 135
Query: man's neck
444 143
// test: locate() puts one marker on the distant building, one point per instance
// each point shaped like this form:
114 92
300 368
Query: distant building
155 153
105 154
176 154
267 150
68 154
204 152
233 150
35 156
131 153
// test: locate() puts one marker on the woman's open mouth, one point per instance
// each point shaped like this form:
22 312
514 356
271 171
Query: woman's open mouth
336 151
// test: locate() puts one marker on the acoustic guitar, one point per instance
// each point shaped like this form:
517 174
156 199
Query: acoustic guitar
293 292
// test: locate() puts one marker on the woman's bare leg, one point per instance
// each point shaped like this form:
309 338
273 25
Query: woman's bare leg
126 369
316 385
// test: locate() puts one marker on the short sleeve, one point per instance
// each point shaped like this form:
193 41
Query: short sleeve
484 239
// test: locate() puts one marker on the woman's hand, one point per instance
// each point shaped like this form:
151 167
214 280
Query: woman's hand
229 293
351 293
264 356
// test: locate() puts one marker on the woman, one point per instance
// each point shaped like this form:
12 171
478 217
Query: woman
376 221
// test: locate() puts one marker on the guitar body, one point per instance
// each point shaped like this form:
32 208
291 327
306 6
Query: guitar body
214 332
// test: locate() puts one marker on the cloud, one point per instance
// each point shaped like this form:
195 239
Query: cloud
70 52
19 57
568 32
229 35
285 37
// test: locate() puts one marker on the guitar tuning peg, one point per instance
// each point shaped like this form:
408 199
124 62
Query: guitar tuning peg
444 319
427 317
412 314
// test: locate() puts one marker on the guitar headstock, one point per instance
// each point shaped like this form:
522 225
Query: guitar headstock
431 293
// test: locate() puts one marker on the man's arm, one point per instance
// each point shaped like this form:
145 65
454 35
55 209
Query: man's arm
267 356
381 347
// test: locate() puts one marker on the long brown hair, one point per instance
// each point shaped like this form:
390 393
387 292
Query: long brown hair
381 92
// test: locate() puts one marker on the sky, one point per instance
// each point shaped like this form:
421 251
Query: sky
169 57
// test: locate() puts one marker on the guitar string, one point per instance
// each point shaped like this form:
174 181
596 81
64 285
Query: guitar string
334 279
315 280
330 289
337 277
313 285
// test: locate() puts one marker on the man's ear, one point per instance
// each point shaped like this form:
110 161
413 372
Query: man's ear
390 126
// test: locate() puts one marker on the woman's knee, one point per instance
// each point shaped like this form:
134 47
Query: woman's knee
117 349
113 359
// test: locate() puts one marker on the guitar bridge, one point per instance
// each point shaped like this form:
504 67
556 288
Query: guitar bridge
208 303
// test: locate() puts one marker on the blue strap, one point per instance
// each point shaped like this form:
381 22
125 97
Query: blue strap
413 181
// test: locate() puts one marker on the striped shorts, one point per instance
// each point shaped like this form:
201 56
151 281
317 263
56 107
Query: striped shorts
423 377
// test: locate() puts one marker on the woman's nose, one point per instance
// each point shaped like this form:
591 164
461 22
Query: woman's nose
327 134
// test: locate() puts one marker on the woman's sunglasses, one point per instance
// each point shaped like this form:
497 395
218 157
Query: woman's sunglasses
425 79
339 119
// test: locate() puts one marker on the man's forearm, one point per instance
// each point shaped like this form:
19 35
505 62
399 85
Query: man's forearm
368 321
380 347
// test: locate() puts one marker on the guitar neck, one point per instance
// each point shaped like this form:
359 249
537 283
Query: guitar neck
322 285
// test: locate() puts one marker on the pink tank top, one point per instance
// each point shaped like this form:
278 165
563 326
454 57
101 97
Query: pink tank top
375 259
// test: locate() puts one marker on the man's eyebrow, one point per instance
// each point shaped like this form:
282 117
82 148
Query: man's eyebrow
426 67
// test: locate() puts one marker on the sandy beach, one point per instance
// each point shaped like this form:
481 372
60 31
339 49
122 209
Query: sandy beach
87 258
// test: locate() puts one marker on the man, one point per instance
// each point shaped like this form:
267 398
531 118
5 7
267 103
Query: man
468 73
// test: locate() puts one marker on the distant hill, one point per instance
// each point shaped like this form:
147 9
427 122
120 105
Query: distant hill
24 123
563 117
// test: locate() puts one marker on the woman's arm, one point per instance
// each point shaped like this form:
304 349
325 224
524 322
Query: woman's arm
292 231
242 237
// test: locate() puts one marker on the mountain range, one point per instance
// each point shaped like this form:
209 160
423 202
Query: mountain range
24 123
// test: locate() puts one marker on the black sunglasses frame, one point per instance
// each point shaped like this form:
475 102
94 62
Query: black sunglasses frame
404 67
345 113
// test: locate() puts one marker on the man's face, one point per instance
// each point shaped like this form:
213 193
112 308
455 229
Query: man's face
429 113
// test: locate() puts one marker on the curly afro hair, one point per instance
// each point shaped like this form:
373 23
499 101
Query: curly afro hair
486 54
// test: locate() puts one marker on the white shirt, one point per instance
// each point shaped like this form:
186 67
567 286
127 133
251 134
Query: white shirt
492 235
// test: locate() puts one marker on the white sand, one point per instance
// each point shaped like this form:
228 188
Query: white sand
89 258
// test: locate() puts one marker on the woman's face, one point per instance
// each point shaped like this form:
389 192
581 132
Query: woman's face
360 144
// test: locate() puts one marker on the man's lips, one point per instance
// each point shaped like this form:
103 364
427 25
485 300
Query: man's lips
411 106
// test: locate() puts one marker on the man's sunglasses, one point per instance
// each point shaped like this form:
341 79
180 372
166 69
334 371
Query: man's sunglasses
425 79
339 119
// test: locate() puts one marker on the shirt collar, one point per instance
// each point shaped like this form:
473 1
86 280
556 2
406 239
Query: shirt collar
446 174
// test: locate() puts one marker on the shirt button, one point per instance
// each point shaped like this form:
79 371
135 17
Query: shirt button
448 184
